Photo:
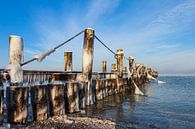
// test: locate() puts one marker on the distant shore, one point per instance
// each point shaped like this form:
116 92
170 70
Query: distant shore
162 75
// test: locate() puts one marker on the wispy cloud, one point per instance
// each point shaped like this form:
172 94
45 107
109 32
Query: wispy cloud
53 29
98 8
162 47
56 28
151 38
30 52
177 14
174 20
167 46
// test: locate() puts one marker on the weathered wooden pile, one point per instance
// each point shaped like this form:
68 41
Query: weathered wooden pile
49 93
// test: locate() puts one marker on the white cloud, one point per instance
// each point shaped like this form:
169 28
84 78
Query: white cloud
171 22
174 20
54 29
30 51
97 8
167 46
177 14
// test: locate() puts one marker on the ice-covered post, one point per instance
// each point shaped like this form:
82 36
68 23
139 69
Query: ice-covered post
88 48
113 68
104 68
68 61
15 58
120 55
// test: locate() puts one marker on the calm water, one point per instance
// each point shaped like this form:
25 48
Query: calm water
166 106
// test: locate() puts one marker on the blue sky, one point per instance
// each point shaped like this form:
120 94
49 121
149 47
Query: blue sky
158 33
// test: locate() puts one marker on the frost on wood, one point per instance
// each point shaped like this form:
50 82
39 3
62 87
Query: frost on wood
16 49
150 77
129 74
42 56
16 73
137 90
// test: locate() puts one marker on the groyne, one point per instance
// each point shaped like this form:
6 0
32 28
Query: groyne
39 95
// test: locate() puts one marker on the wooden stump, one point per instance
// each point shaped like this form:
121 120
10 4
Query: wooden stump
113 68
106 87
98 90
114 84
56 99
119 85
68 61
104 68
1 105
88 52
72 97
17 104
82 95
103 88
94 90
16 57
39 102
1 100
125 81
120 55
109 87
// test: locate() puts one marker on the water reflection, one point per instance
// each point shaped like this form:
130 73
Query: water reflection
148 89
116 107
170 106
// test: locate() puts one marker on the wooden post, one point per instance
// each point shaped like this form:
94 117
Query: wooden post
104 68
113 68
39 102
103 88
109 86
68 61
120 55
126 83
1 80
15 58
17 104
1 105
106 87
81 88
88 48
56 99
72 97
15 49
114 85
97 90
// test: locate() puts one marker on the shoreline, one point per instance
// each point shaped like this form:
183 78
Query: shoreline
70 122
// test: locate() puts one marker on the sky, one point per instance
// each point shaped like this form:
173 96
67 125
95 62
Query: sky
158 33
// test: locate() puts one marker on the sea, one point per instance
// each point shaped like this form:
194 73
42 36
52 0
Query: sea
170 105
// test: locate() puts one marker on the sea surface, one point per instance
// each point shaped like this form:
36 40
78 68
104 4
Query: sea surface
165 106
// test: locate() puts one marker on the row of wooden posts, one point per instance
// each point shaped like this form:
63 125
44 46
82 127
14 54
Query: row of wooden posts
57 99
46 100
